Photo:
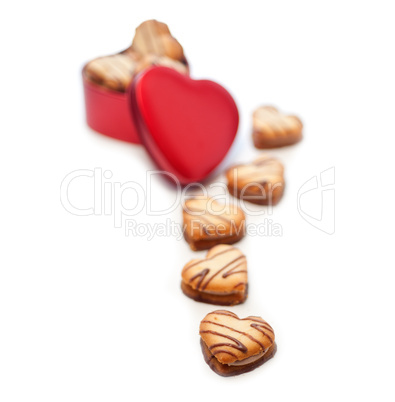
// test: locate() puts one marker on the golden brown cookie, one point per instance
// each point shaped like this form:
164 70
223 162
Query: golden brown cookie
220 278
152 45
114 72
154 37
272 129
233 345
260 182
208 223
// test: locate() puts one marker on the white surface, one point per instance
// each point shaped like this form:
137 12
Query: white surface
89 314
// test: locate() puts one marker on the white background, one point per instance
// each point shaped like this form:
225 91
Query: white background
90 314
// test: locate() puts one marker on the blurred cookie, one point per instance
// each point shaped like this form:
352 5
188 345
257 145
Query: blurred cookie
114 72
220 278
154 37
233 345
152 45
260 182
272 129
208 223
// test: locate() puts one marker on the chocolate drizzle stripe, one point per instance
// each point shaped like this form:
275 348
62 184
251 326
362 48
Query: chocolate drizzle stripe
237 344
219 271
211 258
202 275
235 272
258 320
232 270
259 328
266 326
239 332
224 312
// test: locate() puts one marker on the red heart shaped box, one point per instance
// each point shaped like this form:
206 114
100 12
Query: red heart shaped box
187 126
107 112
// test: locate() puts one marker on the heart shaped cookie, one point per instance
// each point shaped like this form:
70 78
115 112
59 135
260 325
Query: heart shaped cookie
272 129
154 37
220 278
260 182
114 72
233 345
152 45
187 126
208 223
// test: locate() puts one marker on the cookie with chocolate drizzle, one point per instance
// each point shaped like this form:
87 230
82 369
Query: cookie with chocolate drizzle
220 278
273 129
154 37
260 182
208 223
113 72
152 45
233 345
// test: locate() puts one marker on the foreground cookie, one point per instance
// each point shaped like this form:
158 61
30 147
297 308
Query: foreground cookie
272 129
220 278
208 223
233 346
260 182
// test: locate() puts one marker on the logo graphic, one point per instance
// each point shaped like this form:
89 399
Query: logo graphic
86 192
316 203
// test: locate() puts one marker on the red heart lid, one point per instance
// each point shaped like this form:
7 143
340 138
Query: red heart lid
187 126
